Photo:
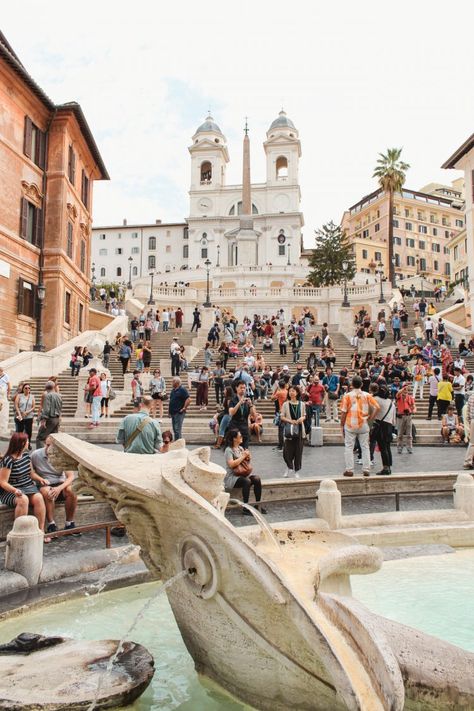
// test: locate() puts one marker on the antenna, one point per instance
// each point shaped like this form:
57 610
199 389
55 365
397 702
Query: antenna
246 129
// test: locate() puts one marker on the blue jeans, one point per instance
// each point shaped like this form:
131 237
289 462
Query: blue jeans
224 425
96 408
177 424
316 410
165 325
134 335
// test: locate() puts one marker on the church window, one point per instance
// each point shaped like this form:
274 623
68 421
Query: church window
204 254
282 167
151 261
135 271
102 271
206 172
152 243
232 210
185 251
119 271
281 250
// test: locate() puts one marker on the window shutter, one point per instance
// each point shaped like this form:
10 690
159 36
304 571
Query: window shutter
83 176
27 136
20 296
41 162
73 166
24 218
39 227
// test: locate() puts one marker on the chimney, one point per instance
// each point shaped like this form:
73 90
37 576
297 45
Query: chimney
124 222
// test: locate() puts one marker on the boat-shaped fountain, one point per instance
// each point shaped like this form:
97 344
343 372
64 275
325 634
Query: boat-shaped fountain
270 617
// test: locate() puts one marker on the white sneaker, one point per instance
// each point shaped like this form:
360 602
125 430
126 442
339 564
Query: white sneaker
359 461
372 463
286 473
297 476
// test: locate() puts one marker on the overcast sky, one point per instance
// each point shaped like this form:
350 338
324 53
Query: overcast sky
355 78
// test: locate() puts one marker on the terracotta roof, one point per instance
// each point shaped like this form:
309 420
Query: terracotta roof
461 151
11 58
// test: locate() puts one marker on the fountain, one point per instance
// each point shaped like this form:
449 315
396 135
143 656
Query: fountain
277 628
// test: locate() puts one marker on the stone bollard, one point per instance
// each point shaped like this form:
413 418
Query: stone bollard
24 552
328 503
464 494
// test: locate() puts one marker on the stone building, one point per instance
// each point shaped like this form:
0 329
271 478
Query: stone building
424 223
48 163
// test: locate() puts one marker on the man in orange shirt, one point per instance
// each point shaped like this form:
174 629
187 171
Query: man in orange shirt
93 385
358 408
405 410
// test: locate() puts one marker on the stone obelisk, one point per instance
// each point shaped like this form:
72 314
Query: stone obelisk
247 238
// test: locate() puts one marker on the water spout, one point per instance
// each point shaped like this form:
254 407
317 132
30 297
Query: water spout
266 528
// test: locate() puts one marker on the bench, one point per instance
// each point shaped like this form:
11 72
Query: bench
107 525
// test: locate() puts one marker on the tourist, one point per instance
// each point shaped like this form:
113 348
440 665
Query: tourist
332 387
18 489
208 355
106 354
125 353
175 357
56 489
167 439
419 376
178 405
94 388
148 327
396 326
226 418
179 315
50 414
24 408
358 408
196 320
104 395
139 433
158 392
440 331
280 395
459 389
240 409
139 356
405 411
86 356
428 325
316 394
218 379
293 416
165 319
146 356
137 389
433 381
282 341
445 395
451 429
77 361
134 324
382 429
256 425
202 390
468 459
239 470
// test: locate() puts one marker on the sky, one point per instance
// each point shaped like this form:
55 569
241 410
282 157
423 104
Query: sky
355 78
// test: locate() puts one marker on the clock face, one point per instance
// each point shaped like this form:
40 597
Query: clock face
281 239
204 204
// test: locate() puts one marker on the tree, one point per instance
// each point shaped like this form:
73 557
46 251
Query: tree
390 172
332 249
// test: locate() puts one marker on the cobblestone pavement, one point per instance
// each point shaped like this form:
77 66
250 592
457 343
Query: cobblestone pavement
329 461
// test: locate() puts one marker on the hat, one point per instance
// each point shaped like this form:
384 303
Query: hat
305 373
285 367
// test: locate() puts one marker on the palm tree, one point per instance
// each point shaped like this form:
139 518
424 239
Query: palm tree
390 172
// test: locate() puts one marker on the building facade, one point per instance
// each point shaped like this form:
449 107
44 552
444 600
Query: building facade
424 223
48 163
212 230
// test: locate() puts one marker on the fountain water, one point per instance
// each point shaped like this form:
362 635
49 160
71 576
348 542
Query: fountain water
266 528
128 632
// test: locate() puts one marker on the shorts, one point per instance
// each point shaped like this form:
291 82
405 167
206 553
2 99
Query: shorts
60 498
7 498
104 402
137 401
158 396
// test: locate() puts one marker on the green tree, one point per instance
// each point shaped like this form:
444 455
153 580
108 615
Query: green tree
331 251
391 173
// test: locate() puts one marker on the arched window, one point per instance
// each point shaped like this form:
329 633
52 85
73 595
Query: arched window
151 261
206 172
102 271
135 271
282 167
152 243
119 271
239 209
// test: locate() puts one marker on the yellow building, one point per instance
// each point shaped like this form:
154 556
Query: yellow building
423 225
458 257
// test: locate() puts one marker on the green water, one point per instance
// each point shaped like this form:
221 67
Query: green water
432 593
175 684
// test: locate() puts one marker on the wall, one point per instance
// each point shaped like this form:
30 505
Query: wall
99 320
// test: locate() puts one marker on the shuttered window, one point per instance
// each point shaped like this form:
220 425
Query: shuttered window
71 165
34 143
31 223
69 247
26 298
82 264
67 307
85 189
80 319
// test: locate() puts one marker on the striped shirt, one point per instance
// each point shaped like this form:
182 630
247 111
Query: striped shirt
357 405
20 470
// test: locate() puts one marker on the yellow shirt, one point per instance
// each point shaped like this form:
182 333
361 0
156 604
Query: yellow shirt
445 390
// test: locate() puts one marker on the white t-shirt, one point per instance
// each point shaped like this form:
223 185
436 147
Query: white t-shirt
428 325
459 380
382 326
104 386
165 316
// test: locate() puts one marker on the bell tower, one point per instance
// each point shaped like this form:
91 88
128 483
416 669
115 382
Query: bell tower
209 157
283 151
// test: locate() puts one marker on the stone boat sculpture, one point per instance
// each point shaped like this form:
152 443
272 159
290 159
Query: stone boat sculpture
274 624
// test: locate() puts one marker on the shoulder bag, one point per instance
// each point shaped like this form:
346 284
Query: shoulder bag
139 428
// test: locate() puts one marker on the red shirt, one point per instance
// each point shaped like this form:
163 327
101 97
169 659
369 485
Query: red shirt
405 403
316 393
94 382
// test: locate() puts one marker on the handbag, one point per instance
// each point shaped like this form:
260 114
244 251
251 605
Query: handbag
243 469
112 394
332 395
291 431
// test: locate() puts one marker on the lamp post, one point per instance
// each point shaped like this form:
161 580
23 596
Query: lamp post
394 264
345 301
420 274
380 272
289 261
40 294
207 304
130 260
151 299
93 289
218 263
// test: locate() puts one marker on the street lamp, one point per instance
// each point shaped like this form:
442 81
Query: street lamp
420 274
151 299
40 295
394 264
289 262
130 260
380 272
207 304
345 267
218 263
93 272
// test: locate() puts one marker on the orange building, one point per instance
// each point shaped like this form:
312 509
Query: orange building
48 163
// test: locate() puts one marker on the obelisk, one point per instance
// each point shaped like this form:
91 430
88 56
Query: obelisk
247 238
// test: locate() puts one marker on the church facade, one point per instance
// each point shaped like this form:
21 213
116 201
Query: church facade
252 226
